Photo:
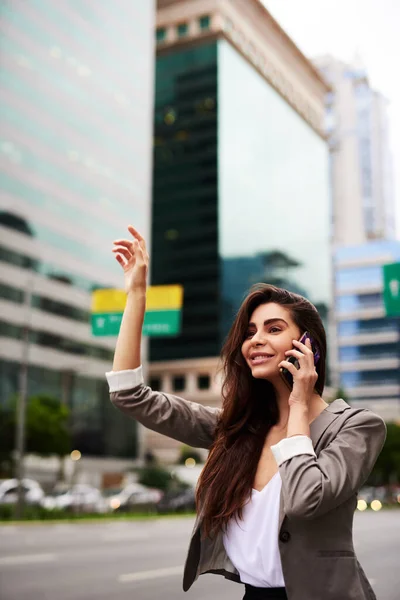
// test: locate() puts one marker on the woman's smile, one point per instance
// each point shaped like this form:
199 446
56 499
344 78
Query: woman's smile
260 358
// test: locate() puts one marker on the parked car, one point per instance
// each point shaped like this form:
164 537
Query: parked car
33 492
80 498
177 501
133 497
385 494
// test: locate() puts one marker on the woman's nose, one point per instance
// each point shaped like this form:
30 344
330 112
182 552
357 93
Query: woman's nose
258 340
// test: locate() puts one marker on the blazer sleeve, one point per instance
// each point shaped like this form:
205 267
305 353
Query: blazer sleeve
311 485
188 422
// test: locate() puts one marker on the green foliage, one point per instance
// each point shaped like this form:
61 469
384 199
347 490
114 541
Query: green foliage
387 467
155 476
33 513
188 452
47 426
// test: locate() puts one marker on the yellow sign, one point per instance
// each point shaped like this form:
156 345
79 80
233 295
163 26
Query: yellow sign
158 297
164 297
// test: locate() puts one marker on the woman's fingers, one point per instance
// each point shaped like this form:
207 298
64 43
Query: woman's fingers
124 251
285 364
305 348
127 249
137 235
126 243
295 353
121 260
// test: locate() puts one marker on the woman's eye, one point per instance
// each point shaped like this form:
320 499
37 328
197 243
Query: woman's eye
274 330
249 334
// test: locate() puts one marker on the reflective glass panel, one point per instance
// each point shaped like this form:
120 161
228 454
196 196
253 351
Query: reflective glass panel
273 191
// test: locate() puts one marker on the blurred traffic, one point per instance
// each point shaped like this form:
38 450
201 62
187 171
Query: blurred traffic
64 501
248 142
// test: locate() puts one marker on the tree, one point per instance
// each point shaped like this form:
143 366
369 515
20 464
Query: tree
155 476
387 466
188 452
47 429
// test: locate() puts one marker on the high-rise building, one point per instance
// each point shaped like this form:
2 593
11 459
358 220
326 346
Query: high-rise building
76 107
368 340
361 161
241 177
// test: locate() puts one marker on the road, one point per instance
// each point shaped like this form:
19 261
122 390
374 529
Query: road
131 560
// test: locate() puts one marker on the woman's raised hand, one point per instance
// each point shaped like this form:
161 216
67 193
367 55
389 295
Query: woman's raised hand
133 257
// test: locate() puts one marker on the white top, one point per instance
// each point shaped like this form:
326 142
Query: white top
252 543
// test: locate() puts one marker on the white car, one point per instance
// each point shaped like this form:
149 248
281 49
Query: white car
131 496
33 492
80 497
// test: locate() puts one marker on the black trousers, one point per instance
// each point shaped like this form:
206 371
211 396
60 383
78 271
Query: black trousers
255 593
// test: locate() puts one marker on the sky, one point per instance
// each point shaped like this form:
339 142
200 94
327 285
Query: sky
346 29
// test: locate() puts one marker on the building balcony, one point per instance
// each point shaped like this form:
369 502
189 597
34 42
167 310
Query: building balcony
53 358
376 364
369 339
360 289
383 391
367 261
363 314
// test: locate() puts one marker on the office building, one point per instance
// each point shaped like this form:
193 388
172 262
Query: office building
361 160
241 178
76 108
368 341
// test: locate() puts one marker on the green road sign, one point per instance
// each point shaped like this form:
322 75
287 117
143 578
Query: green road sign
157 323
162 317
391 289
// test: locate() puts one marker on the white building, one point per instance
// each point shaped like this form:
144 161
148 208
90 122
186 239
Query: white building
361 162
75 168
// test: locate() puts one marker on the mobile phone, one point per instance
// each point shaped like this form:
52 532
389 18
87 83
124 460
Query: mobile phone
285 374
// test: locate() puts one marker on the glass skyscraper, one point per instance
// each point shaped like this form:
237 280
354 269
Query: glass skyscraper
241 182
75 159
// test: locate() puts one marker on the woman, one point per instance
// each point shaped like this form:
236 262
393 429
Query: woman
277 495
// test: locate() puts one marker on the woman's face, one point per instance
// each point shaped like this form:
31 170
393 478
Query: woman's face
269 335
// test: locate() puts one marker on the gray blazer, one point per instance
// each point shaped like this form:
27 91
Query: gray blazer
318 498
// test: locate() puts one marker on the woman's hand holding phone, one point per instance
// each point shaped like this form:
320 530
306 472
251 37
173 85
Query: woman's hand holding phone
305 376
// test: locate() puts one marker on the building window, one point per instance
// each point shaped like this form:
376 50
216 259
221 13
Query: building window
182 29
178 383
161 34
155 383
203 382
204 22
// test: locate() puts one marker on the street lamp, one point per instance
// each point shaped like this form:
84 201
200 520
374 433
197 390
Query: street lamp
22 397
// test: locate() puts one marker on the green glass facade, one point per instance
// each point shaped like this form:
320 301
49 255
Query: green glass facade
185 197
241 194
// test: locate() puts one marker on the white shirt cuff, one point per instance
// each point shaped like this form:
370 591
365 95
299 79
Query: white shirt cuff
292 446
119 381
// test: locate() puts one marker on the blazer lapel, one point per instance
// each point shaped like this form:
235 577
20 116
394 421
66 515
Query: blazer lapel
317 428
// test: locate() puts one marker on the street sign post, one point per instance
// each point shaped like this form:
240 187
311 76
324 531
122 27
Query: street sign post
162 317
391 289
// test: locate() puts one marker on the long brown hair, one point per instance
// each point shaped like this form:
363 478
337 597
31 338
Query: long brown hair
249 410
